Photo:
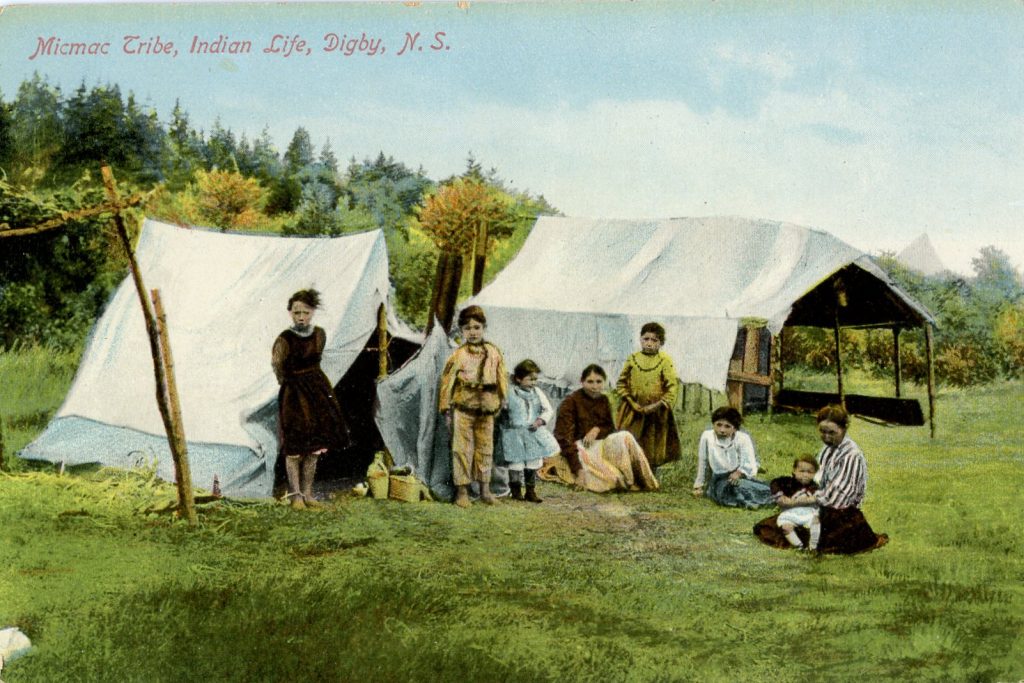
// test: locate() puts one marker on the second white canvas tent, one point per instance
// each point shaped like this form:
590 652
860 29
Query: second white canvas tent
579 290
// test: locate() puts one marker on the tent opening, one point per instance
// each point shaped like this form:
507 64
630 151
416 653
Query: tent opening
356 392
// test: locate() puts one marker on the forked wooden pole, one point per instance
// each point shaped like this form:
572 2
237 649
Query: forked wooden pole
159 370
774 356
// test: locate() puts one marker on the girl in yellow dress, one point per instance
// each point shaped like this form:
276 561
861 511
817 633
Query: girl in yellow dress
647 390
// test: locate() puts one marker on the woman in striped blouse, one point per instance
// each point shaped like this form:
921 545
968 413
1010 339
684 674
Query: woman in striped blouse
842 480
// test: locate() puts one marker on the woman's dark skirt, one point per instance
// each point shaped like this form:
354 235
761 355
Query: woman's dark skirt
843 532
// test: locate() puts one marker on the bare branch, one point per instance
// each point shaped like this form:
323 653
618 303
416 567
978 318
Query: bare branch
67 216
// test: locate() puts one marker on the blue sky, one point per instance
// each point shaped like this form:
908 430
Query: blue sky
874 123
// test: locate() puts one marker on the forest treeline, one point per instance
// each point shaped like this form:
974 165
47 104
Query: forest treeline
53 285
52 145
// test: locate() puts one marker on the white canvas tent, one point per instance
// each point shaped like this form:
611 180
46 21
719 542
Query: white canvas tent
920 255
580 289
225 296
407 415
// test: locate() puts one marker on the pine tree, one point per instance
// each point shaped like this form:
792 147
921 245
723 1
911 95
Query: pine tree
6 136
328 160
221 148
299 153
36 129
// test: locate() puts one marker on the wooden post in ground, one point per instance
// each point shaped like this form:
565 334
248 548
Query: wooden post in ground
179 448
896 363
382 342
839 364
774 360
929 343
159 369
782 352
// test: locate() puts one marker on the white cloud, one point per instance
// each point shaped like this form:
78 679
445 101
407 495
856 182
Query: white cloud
776 65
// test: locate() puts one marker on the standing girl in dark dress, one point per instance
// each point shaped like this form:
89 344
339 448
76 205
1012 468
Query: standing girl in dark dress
310 422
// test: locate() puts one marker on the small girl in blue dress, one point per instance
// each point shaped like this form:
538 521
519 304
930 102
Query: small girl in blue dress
524 439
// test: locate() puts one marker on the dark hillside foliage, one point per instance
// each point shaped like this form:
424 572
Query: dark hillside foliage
53 284
52 145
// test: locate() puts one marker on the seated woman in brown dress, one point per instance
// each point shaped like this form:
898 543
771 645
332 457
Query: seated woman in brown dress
842 480
593 455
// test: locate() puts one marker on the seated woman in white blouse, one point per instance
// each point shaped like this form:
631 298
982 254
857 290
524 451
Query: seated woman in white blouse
729 453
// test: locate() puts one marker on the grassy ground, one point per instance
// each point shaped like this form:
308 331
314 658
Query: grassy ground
585 587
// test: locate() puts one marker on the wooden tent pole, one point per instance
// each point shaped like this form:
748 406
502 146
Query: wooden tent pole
159 370
929 343
67 216
179 447
382 342
773 365
782 365
839 364
898 368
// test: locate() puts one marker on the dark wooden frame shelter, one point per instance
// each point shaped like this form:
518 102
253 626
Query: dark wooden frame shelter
850 298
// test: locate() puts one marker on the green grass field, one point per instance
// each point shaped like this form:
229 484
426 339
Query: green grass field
585 587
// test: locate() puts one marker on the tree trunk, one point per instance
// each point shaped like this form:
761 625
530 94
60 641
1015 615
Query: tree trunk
479 258
435 297
929 347
450 291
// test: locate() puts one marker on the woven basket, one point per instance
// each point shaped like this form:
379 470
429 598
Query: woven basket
378 482
405 487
